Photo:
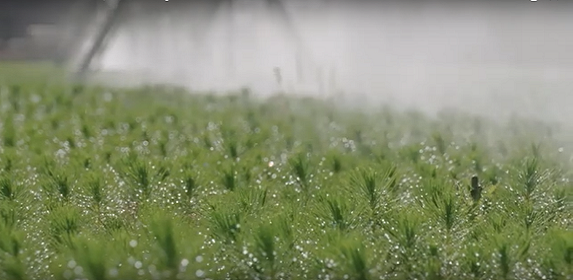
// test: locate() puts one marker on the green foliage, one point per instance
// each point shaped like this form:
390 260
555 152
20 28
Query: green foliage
157 183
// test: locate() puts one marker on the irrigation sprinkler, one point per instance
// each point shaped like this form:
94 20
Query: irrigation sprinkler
115 15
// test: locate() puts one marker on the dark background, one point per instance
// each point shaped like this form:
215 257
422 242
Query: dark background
62 17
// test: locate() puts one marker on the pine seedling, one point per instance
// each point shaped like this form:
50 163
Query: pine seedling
475 261
252 199
434 266
532 179
405 230
226 223
442 204
8 190
300 166
355 255
440 142
247 172
163 151
139 173
189 184
9 157
141 176
91 257
529 177
14 269
229 179
9 132
377 188
336 163
336 211
58 184
450 208
266 249
504 260
8 218
10 240
367 182
285 228
64 225
163 232
561 248
232 145
95 189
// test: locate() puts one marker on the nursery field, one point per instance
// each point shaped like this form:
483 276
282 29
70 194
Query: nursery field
156 183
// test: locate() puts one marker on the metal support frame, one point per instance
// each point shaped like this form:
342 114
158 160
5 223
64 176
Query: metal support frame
112 21
112 16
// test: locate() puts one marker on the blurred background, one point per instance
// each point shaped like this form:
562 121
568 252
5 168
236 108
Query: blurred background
496 58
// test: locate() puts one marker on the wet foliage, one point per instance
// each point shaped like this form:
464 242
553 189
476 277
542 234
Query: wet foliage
156 183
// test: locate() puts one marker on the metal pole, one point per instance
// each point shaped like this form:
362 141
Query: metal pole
110 21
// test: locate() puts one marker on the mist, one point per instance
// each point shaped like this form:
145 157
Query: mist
490 59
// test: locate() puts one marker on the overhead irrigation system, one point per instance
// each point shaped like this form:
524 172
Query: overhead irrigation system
116 14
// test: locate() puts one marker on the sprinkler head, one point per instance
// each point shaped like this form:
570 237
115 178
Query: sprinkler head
476 189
